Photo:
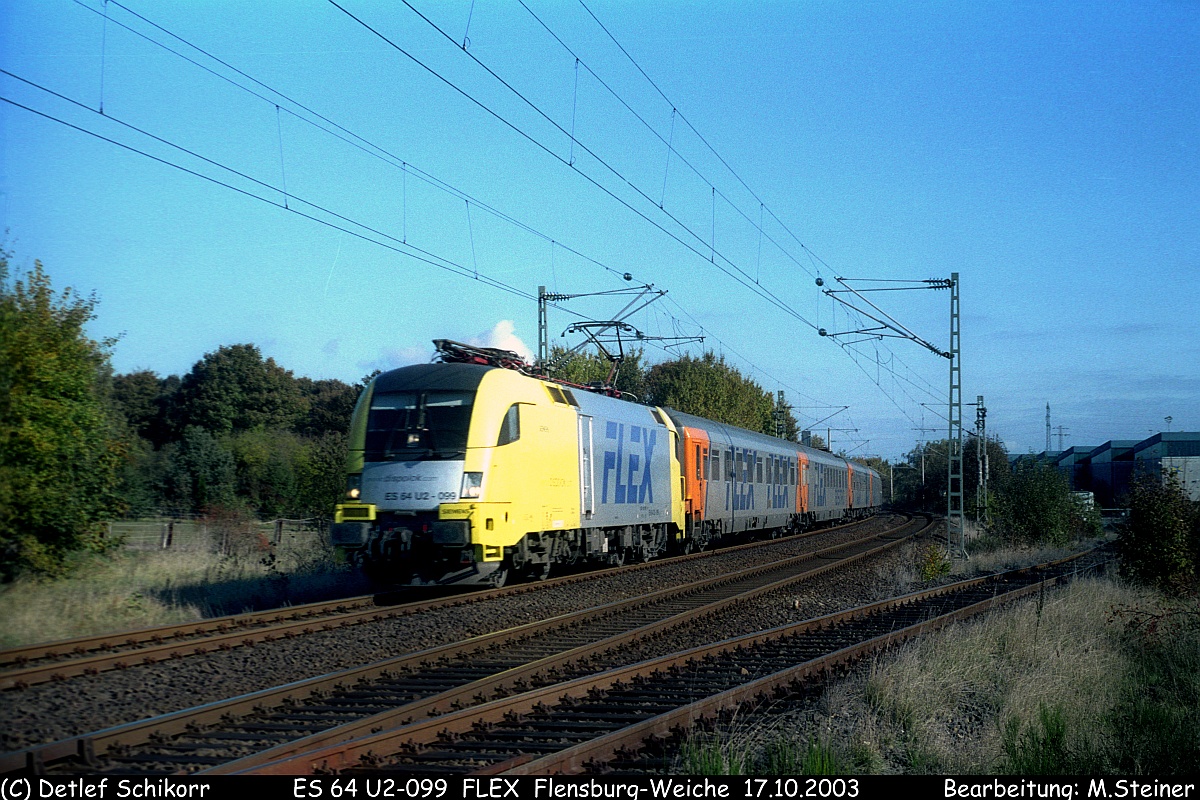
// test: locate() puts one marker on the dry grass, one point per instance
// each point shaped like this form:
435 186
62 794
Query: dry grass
125 589
942 704
1097 676
946 703
987 554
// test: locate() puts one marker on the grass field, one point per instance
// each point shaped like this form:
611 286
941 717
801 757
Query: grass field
200 576
1095 678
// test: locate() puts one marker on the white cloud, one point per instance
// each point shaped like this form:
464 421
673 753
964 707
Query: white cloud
503 337
393 357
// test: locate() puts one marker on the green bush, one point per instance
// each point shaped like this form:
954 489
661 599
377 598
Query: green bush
933 562
1034 506
1159 540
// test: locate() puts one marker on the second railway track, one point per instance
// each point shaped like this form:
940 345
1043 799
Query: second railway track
271 724
604 722
55 661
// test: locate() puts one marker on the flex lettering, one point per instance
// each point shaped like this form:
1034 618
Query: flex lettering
630 469
742 486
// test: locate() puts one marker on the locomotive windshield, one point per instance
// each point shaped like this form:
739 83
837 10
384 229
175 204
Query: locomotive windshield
404 426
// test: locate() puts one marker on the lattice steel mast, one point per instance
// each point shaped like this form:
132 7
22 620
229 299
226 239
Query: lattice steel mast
888 326
955 529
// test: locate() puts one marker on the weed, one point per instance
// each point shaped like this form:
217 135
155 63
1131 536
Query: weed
781 758
712 755
933 563
820 759
1038 749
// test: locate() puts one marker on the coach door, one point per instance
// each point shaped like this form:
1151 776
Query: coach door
587 487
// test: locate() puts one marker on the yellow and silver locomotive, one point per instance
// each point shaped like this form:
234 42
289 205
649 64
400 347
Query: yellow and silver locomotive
474 473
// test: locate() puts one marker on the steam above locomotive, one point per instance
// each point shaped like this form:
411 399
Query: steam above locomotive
477 474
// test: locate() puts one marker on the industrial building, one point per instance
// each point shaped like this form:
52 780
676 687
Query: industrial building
1107 470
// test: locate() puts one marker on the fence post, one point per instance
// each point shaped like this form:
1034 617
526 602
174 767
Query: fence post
278 532
163 541
170 533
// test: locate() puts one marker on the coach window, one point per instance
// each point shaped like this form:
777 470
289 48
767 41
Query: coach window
510 427
758 470
707 472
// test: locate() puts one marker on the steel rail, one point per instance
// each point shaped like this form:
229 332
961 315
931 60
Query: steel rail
151 645
85 748
594 754
369 753
536 673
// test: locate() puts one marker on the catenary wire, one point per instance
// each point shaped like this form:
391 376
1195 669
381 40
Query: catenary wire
375 150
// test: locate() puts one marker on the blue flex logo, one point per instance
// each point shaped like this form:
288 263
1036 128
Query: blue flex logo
630 471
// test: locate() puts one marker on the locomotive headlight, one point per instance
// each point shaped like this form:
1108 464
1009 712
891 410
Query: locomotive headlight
472 481
354 486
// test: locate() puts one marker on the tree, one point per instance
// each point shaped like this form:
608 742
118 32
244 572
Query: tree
593 368
330 404
710 388
60 449
322 475
145 400
929 458
234 389
134 395
200 473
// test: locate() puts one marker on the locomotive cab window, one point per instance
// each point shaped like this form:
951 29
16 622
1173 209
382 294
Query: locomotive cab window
510 426
411 425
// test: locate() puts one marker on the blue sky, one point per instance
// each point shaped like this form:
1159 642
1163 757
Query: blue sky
1047 152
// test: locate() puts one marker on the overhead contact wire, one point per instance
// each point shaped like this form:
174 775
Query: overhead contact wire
659 136
765 294
700 136
350 138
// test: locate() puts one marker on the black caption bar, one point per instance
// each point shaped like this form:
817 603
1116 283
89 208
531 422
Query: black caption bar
404 787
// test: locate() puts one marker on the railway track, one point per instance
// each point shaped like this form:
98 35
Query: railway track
605 721
56 661
266 726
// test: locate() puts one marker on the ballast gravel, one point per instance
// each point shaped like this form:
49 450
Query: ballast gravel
52 711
